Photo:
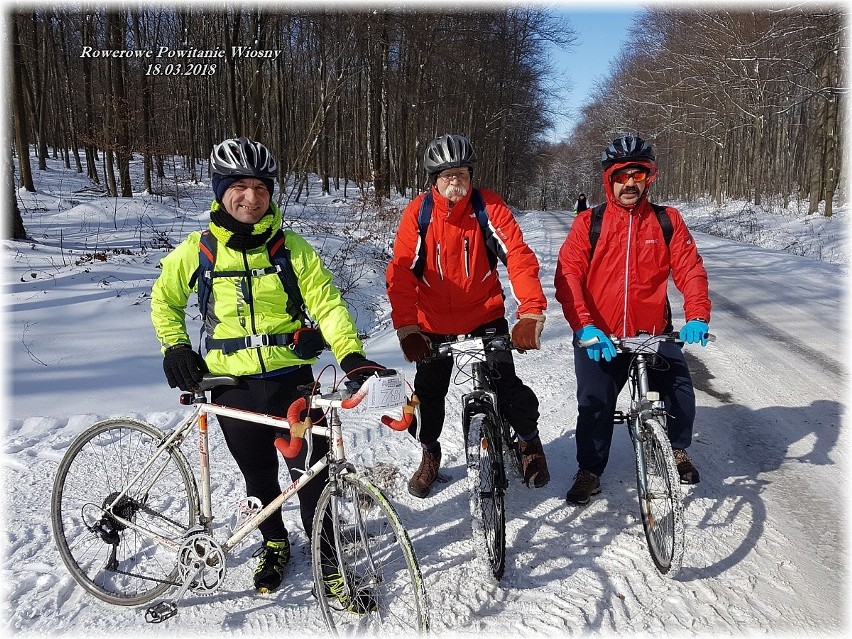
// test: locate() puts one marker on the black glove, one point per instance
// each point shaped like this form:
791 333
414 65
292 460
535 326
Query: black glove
307 343
184 367
358 368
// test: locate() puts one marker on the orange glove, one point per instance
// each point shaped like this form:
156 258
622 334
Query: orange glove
526 333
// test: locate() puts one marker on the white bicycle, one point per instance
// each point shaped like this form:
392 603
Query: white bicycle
131 523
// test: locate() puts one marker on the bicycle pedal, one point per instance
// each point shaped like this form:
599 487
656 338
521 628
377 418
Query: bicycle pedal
161 611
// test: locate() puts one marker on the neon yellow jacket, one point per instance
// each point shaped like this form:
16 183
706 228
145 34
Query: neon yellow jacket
239 308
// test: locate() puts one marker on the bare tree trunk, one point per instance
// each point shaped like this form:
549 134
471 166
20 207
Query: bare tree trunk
19 112
18 230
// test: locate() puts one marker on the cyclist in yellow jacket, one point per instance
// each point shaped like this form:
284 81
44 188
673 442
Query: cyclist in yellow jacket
251 334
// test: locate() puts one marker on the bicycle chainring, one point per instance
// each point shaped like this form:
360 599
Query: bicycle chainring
201 547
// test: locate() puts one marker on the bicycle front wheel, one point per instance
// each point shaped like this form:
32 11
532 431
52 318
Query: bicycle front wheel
366 575
660 499
119 563
487 478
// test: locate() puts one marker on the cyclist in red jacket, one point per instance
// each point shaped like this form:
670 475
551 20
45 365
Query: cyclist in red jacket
622 291
451 288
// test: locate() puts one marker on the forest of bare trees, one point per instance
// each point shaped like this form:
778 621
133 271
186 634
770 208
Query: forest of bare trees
741 105
342 94
738 104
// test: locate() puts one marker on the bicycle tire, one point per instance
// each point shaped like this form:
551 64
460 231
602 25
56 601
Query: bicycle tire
376 554
660 499
119 564
487 478
512 450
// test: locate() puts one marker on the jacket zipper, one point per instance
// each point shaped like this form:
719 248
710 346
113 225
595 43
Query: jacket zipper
251 310
627 272
466 257
438 258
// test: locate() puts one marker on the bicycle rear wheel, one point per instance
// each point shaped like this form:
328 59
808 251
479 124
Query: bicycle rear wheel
117 563
487 478
366 575
660 499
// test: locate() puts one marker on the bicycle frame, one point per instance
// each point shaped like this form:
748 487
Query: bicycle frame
199 417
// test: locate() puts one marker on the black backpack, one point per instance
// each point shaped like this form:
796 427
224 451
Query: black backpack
597 220
279 256
424 218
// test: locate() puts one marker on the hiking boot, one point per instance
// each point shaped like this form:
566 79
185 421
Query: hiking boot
421 481
688 473
586 484
334 587
533 463
274 555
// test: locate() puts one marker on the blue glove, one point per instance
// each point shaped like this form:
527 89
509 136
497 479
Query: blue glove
603 346
694 332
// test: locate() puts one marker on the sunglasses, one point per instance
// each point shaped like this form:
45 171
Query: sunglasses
624 178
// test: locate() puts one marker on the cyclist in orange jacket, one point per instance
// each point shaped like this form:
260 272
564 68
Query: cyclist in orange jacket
451 288
619 287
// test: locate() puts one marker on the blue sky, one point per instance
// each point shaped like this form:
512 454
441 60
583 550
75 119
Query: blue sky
601 32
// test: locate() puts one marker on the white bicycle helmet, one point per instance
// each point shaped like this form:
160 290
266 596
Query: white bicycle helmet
243 157
448 152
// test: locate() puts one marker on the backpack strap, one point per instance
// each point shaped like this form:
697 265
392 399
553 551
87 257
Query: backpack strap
279 256
665 222
493 247
597 221
424 218
595 227
668 230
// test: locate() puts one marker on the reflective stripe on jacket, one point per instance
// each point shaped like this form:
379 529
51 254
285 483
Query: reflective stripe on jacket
624 289
459 291
243 306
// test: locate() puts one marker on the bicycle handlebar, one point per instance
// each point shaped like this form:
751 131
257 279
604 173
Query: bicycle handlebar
465 344
641 342
347 399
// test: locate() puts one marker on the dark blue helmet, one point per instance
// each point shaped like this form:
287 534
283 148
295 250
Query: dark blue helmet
626 149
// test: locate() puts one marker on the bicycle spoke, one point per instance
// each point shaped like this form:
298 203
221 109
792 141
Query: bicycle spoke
121 563
366 576
660 499
485 472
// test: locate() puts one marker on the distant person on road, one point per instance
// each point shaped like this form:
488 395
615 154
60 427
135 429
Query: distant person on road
618 286
581 203
255 333
450 287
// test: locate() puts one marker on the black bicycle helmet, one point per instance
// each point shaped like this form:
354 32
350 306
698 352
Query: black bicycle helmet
243 157
625 149
448 152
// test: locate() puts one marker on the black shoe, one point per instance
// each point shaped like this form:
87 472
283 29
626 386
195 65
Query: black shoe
274 555
688 473
586 484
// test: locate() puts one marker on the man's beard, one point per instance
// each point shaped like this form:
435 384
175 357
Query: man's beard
455 190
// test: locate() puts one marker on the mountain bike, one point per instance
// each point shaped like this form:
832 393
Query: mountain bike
489 439
132 522
657 478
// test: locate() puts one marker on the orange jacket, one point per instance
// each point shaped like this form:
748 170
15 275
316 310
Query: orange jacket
623 290
459 291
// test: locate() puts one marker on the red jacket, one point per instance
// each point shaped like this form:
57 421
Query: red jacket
623 290
459 291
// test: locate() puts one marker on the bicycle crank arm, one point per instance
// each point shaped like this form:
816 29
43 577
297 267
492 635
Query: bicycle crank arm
163 610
